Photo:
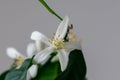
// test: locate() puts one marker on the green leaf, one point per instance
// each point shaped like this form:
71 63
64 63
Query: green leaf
19 74
3 75
50 71
76 69
49 9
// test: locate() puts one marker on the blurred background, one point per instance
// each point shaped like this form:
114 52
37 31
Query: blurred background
97 22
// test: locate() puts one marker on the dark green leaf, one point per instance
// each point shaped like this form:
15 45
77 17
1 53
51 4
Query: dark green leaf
49 72
76 69
85 79
19 74
49 9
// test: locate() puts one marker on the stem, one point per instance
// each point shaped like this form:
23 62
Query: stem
50 9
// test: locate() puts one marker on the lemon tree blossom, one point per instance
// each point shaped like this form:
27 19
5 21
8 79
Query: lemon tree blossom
57 43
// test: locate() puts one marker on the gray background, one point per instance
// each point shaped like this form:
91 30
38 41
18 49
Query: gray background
96 21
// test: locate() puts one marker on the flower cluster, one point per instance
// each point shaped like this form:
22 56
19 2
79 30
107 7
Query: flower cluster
43 46
57 58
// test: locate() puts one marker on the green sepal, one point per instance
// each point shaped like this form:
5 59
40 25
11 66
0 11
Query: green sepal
76 69
20 74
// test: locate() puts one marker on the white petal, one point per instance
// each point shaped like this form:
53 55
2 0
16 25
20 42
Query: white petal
73 45
13 53
62 28
40 45
63 57
33 70
31 48
43 55
39 36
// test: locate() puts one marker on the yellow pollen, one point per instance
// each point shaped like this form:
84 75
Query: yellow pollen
58 42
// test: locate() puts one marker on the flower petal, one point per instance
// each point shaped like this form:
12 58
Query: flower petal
63 57
39 36
62 28
73 45
40 45
13 53
43 55
31 48
33 70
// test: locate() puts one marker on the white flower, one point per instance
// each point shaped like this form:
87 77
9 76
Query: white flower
57 43
19 58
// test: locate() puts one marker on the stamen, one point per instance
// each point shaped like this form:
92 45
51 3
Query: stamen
53 35
57 42
18 62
